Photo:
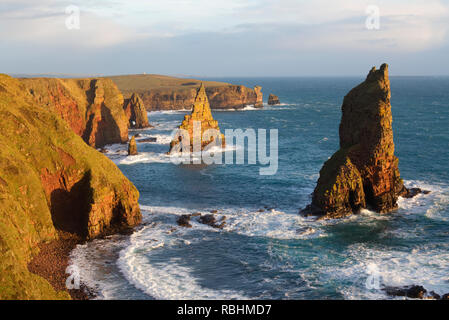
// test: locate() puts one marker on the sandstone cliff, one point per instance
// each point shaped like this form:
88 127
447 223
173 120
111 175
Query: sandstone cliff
51 182
136 113
364 172
201 112
93 108
169 93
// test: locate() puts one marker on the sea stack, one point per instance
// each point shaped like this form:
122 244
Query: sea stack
132 147
259 97
136 112
364 172
273 100
201 115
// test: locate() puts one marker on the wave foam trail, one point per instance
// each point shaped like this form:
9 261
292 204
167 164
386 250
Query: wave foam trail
434 204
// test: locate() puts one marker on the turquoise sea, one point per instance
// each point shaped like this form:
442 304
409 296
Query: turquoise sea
266 250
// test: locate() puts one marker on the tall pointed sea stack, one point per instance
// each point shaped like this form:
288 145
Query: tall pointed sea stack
201 114
136 112
364 172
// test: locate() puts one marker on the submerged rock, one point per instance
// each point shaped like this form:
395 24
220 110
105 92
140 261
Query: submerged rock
132 147
273 100
412 192
364 172
201 114
136 113
184 221
414 292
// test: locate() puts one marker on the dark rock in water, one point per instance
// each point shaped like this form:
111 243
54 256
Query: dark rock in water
414 291
413 192
213 211
434 295
273 100
364 172
196 214
261 210
132 147
221 225
445 297
103 150
208 219
184 221
151 139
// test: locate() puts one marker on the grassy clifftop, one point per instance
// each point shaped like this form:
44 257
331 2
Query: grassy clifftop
170 93
50 181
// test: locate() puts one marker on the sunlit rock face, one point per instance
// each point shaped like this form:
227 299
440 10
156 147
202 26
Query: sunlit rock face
364 172
201 116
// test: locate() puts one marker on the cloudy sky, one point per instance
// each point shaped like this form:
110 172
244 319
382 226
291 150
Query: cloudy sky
224 37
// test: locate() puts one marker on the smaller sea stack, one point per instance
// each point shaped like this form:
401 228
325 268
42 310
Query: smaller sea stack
136 112
132 147
259 97
364 172
273 100
197 123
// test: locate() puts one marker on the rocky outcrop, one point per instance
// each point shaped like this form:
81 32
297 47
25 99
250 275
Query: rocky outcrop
201 114
93 108
259 97
51 183
414 292
136 113
364 172
132 147
273 100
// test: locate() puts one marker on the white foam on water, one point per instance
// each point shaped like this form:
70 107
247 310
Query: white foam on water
151 113
424 266
169 280
96 273
434 205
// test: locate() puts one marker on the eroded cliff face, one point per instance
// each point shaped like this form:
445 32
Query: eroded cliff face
51 182
201 113
136 113
223 97
93 108
364 172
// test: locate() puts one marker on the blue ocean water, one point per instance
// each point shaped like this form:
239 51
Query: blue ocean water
266 250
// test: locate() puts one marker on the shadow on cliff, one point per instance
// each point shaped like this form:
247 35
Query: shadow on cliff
101 126
70 209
